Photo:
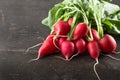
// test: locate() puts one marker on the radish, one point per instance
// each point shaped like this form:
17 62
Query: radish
67 49
80 46
108 44
70 21
94 51
58 39
95 35
61 28
61 40
80 31
46 48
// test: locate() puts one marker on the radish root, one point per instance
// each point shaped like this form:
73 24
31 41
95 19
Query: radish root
94 67
32 60
112 57
61 58
33 46
67 59
73 56
41 38
114 52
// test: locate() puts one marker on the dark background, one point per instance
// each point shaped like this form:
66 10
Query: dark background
20 28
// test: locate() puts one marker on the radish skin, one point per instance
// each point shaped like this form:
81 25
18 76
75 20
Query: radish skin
61 40
95 35
93 49
47 47
70 21
108 44
61 28
80 46
80 31
67 49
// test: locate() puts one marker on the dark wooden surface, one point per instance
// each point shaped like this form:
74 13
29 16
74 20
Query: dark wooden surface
20 28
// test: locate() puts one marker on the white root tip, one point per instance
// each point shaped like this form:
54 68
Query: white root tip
33 47
33 60
73 56
61 58
112 57
66 58
114 52
94 67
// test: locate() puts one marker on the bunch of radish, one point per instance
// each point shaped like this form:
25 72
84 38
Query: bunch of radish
78 43
78 26
83 40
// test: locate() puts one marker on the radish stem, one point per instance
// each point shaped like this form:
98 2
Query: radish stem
91 36
55 44
73 26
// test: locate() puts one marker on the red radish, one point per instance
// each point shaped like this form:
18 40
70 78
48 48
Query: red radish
94 51
47 47
108 44
70 21
58 39
61 40
80 46
95 35
80 31
61 28
67 49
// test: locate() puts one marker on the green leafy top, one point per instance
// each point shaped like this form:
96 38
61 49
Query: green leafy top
100 14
